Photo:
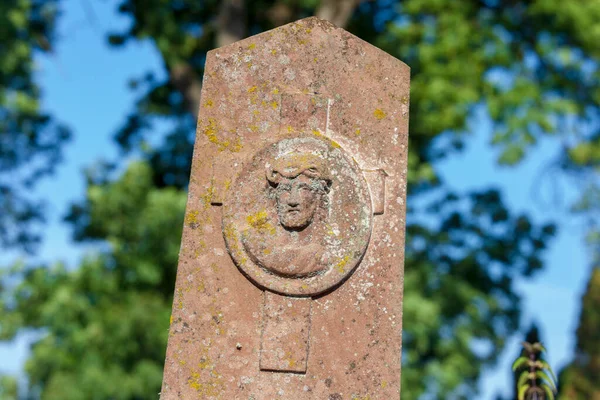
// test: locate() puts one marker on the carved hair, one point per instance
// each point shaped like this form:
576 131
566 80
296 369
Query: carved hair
292 165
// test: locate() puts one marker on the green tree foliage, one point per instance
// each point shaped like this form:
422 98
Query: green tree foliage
106 321
531 65
30 140
581 379
8 388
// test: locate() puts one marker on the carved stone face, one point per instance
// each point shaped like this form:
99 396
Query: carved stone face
298 217
297 201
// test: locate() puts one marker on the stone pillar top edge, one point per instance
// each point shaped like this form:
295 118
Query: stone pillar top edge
311 23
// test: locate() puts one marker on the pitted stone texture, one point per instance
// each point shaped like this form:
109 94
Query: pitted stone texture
253 96
285 336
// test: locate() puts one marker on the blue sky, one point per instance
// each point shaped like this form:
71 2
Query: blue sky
85 85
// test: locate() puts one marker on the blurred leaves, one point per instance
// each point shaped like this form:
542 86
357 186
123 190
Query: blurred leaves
459 289
8 388
581 378
30 140
105 322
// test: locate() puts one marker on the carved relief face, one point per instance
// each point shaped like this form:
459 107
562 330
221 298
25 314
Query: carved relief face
297 219
297 201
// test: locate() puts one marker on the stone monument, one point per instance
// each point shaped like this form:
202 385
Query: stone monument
290 275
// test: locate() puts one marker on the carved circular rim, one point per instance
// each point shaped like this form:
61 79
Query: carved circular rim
339 270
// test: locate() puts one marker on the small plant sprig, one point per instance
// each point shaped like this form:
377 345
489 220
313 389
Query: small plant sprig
534 383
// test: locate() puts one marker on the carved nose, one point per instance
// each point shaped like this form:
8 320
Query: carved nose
294 199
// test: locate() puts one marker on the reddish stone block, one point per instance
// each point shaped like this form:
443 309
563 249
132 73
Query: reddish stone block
290 277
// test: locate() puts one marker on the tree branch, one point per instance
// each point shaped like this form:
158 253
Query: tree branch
189 84
231 22
337 12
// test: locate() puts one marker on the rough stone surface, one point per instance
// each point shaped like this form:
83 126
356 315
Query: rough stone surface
290 275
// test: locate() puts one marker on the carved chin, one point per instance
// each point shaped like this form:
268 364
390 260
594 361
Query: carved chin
295 220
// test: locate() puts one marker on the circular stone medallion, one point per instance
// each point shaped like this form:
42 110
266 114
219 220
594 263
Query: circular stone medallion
298 217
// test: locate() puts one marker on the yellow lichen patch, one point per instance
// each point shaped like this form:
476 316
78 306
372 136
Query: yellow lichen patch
252 46
191 218
274 104
208 103
230 233
260 222
255 112
214 267
236 146
341 265
252 89
201 247
273 51
210 131
171 319
217 319
249 65
379 114
318 133
357 131
267 251
253 128
205 363
290 360
290 129
315 59
213 387
330 231
384 384
179 299
275 91
208 195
